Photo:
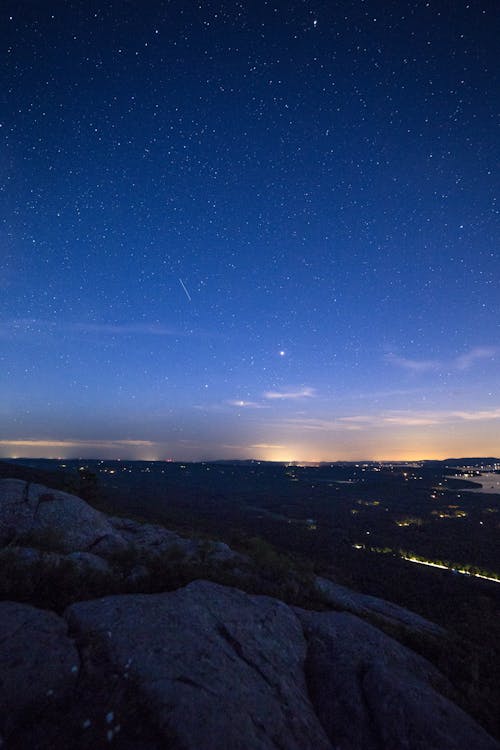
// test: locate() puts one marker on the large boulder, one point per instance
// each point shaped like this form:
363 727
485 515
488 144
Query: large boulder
55 519
371 692
209 667
202 667
152 540
371 607
88 564
216 667
39 664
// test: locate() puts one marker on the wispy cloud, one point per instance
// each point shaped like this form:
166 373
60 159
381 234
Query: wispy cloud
37 326
477 415
388 419
398 392
317 424
426 418
234 403
242 404
474 355
267 446
462 362
70 443
124 329
409 420
305 392
414 365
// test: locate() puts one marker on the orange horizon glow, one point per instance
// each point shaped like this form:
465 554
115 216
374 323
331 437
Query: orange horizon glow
143 450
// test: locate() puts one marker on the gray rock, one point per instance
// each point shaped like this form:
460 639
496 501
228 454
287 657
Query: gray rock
364 605
55 518
38 663
138 574
34 562
216 667
86 562
25 557
30 560
371 692
109 545
152 540
219 552
205 666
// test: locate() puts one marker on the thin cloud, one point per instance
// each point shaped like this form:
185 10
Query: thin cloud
423 418
68 443
411 421
267 446
37 326
235 403
474 355
303 393
418 419
317 425
357 418
474 416
390 419
242 404
372 420
397 392
462 362
124 329
414 365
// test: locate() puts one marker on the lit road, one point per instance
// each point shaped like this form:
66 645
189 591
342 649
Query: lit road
429 563
446 567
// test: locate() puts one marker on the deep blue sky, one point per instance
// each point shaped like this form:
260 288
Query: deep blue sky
235 229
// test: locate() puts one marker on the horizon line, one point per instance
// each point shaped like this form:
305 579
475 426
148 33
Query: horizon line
254 460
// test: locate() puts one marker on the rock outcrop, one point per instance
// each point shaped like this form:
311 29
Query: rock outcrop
204 666
39 664
371 692
41 527
153 540
215 666
371 607
39 513
209 666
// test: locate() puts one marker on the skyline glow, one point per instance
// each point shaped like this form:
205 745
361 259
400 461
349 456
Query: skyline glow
249 231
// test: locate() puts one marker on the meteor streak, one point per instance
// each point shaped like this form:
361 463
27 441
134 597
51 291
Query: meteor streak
184 287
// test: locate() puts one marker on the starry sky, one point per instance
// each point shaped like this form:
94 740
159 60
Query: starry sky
249 229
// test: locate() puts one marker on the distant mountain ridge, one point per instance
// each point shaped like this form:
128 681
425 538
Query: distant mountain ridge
465 461
477 461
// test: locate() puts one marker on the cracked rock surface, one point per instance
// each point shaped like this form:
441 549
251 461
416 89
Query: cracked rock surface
204 667
365 605
27 508
371 692
39 664
217 668
209 667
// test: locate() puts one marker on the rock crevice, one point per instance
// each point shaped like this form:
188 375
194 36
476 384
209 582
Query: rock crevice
204 666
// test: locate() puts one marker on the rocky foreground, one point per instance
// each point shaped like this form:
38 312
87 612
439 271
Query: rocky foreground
204 666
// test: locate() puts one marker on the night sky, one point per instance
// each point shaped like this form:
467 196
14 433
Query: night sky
249 229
